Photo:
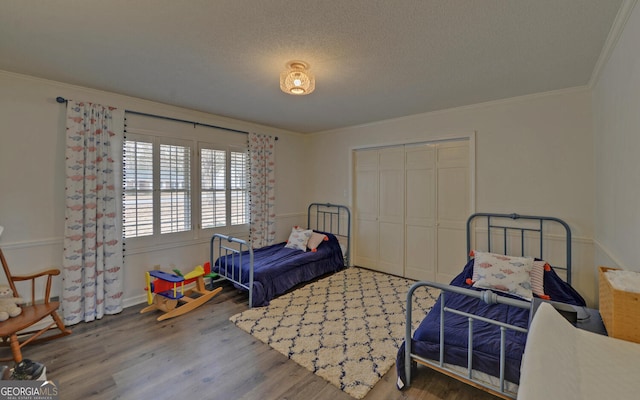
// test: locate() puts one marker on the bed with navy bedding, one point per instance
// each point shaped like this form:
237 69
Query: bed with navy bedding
270 271
505 315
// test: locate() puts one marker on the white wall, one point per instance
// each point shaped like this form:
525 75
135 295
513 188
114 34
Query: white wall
32 177
616 109
534 155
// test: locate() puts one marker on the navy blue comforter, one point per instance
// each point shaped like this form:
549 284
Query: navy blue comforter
278 268
486 337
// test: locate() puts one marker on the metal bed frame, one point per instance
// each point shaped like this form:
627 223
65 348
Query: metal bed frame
330 218
505 229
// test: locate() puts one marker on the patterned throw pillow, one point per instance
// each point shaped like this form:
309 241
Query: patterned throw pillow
298 238
503 273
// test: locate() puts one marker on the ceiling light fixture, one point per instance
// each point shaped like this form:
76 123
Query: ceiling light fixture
297 79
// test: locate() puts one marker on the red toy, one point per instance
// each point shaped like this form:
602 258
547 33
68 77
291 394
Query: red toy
167 290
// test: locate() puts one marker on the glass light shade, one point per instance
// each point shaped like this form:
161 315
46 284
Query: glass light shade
297 79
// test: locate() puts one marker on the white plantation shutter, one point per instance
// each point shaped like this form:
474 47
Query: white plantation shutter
175 188
182 181
213 166
239 188
137 201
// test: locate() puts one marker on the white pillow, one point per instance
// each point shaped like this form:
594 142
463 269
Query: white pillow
503 273
298 238
316 240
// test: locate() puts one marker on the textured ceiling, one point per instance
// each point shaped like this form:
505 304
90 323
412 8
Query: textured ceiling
373 60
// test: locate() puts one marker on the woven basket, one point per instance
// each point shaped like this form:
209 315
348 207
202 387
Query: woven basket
620 310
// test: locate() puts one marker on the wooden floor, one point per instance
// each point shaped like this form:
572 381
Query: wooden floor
200 355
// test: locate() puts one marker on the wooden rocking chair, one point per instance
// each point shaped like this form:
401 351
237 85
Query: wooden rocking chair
15 332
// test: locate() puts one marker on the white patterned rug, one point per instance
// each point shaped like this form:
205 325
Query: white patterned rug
346 328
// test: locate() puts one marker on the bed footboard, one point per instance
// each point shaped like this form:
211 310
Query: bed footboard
234 251
488 297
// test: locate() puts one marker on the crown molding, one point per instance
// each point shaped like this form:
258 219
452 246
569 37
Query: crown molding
626 8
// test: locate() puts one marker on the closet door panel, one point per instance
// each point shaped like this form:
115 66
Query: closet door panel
391 210
420 213
420 186
366 216
453 154
391 189
367 195
453 194
367 184
453 199
367 240
391 253
420 253
392 196
451 253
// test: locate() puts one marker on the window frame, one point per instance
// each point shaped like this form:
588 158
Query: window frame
196 232
245 151
139 193
159 191
228 149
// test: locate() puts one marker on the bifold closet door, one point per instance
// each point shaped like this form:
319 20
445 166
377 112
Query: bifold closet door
453 208
412 203
420 221
379 176
366 218
391 210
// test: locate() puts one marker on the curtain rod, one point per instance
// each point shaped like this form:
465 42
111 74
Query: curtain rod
63 100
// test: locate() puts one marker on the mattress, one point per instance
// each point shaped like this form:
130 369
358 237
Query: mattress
278 268
486 337
564 362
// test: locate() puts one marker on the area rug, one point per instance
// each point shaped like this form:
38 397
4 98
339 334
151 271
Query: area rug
346 328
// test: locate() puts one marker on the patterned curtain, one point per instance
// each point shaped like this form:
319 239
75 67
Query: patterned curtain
92 257
262 196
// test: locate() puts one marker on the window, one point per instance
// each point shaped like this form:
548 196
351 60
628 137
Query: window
239 200
224 196
161 188
213 208
137 199
175 188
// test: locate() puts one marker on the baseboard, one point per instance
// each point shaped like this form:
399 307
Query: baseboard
134 301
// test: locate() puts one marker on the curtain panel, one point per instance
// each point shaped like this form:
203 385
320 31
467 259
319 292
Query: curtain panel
92 256
262 194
